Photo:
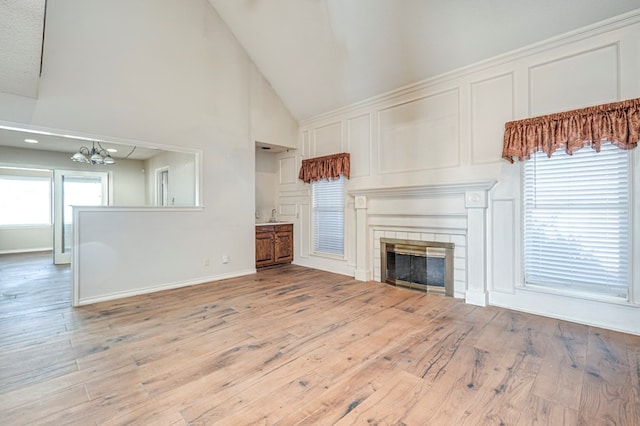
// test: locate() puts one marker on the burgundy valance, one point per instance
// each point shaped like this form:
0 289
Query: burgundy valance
618 123
327 167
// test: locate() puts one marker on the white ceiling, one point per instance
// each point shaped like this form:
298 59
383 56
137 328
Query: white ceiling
21 23
320 55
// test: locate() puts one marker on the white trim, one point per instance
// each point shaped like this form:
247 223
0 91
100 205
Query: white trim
612 316
424 190
140 209
339 267
477 298
30 250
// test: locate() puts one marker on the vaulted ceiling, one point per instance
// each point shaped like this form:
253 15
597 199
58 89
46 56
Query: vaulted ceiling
21 26
320 55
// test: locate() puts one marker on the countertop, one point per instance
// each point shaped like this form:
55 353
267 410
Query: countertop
273 223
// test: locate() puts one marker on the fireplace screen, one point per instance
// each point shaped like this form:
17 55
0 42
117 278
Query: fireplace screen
422 265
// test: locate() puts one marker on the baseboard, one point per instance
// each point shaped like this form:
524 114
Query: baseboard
478 298
330 266
616 317
362 275
156 288
31 250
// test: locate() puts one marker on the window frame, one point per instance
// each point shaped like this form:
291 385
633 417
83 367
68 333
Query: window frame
312 241
633 248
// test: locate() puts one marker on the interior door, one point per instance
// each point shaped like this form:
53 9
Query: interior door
162 186
74 188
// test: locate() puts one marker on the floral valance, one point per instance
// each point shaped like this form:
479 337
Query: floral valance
618 123
327 167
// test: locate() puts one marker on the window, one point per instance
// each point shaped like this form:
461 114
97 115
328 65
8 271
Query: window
25 201
327 198
576 220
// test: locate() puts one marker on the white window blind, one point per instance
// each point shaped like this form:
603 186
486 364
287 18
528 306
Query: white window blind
576 220
25 201
328 216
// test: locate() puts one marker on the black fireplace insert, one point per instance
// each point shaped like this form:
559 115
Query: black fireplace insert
420 265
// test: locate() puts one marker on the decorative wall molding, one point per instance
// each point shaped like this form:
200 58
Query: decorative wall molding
570 37
550 76
537 79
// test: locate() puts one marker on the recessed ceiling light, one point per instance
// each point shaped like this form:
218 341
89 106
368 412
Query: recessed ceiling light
112 150
31 141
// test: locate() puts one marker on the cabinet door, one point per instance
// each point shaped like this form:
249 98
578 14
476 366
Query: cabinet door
265 254
284 246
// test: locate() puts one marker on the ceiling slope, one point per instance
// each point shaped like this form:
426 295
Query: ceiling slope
320 55
21 26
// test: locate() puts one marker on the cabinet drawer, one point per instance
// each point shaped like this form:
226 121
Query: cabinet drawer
287 227
265 228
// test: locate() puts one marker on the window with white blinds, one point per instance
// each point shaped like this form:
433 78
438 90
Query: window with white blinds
328 216
576 220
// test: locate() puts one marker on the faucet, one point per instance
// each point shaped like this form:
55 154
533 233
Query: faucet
273 216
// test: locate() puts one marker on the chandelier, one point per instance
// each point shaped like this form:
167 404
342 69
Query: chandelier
93 156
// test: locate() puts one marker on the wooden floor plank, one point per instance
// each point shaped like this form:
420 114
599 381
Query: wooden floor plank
297 346
388 403
561 376
539 411
608 394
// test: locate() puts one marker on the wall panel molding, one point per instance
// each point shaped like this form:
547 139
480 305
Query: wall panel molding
558 85
327 139
503 246
359 144
609 25
287 167
422 134
492 104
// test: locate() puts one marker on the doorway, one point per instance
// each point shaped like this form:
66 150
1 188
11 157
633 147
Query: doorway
162 186
74 188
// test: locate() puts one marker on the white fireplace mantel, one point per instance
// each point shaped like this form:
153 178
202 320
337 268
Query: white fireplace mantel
415 191
476 196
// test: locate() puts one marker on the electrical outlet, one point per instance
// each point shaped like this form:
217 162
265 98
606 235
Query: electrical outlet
225 258
205 262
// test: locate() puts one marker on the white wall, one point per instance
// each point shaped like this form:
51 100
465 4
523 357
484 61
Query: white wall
26 239
449 130
158 73
271 122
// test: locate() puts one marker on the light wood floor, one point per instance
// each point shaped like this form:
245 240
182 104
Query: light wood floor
292 345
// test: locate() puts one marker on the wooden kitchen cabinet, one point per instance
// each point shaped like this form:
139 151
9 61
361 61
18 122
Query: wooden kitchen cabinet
274 244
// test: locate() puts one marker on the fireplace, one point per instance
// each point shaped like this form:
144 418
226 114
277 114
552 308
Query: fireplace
420 265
